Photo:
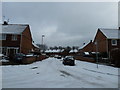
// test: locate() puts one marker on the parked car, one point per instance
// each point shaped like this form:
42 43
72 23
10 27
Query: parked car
19 57
59 57
1 56
30 55
86 54
69 60
56 56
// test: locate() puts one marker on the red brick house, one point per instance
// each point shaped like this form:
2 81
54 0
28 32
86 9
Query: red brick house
105 40
88 47
16 38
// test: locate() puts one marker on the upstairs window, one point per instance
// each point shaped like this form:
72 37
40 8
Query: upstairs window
14 37
2 36
114 42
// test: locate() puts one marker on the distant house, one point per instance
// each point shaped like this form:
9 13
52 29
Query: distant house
53 52
16 38
105 40
87 47
73 52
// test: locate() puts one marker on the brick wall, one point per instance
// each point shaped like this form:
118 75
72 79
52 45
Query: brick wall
101 42
88 47
10 43
26 43
110 46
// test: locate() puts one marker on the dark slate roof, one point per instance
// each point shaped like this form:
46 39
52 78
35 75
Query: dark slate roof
111 33
13 28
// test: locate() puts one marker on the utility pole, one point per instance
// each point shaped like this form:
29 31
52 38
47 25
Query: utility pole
107 49
96 43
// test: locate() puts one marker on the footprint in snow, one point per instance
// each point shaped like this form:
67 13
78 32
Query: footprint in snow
34 67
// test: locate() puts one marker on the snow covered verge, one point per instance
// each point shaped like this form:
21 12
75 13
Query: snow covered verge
51 73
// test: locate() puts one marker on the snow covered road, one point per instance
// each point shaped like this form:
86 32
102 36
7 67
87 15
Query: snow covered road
51 73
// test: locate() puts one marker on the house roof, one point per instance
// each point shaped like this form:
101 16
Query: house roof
13 28
35 45
111 33
71 51
54 51
83 45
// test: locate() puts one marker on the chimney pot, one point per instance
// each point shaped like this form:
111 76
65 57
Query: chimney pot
90 40
83 43
5 23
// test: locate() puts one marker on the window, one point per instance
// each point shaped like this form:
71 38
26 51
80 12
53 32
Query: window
114 42
4 51
14 37
2 36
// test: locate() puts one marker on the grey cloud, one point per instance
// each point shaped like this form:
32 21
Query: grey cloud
63 23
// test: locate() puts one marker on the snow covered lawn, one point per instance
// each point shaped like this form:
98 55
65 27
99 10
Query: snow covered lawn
51 73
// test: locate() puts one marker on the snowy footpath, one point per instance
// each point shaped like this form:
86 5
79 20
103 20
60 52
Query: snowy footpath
51 73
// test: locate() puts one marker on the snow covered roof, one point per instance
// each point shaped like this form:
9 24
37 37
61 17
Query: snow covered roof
54 51
83 45
35 45
86 53
111 33
48 51
73 50
13 28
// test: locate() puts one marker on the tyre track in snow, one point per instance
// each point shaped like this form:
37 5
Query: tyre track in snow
101 72
80 78
65 72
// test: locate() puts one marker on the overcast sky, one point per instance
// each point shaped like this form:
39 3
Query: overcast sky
65 24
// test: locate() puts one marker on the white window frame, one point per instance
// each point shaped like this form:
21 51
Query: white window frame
3 36
114 44
9 48
0 36
14 37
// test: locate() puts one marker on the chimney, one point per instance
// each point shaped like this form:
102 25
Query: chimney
83 43
5 23
90 41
